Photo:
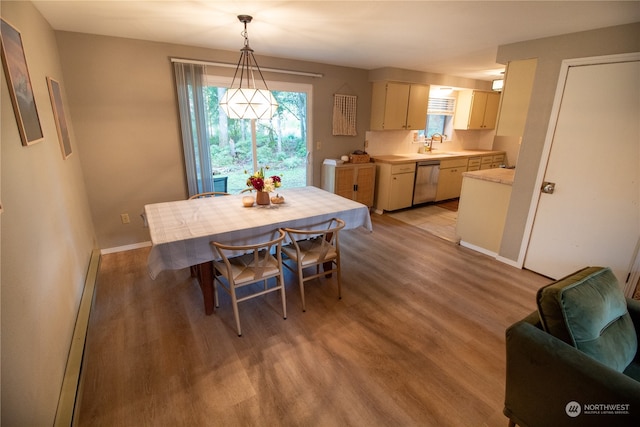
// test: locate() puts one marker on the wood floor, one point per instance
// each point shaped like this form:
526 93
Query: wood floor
417 340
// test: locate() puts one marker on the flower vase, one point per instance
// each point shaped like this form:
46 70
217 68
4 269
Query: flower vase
262 198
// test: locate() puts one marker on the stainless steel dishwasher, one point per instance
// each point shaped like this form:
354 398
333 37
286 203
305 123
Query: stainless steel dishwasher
426 181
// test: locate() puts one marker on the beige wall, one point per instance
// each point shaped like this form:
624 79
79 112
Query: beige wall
550 53
47 239
122 97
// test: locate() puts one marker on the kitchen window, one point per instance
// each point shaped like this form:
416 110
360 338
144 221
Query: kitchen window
440 116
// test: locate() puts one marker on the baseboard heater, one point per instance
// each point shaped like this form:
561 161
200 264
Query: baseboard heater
71 381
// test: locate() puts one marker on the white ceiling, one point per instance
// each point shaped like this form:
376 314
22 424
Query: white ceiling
459 38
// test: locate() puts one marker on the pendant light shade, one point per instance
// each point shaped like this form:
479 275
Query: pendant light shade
245 103
248 102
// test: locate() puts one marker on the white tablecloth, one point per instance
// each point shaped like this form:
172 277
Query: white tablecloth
181 231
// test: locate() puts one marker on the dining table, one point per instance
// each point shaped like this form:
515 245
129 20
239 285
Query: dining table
182 231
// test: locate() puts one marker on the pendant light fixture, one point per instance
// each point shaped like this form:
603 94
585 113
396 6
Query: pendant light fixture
246 101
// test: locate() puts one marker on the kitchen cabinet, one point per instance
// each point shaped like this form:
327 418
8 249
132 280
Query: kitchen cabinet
485 162
492 162
516 96
394 186
482 209
397 106
355 181
474 163
450 178
476 110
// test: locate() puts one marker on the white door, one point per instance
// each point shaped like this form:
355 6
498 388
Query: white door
593 216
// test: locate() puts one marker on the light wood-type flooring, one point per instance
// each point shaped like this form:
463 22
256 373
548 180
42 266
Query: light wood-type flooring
417 340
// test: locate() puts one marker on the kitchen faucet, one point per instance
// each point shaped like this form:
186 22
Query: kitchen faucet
437 136
428 146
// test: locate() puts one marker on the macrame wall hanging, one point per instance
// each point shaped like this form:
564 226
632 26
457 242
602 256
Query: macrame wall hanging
345 108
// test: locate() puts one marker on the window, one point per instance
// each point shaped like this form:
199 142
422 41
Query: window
239 147
219 150
440 116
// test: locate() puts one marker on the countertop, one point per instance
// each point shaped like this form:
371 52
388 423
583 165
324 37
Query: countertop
434 155
499 175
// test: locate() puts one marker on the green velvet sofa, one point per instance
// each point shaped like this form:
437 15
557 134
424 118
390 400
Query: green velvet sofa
574 362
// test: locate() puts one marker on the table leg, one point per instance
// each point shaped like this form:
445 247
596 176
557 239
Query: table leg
205 278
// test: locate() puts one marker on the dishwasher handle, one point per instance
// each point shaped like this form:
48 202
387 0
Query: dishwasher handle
429 163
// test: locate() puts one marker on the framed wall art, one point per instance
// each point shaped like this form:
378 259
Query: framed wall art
60 117
20 89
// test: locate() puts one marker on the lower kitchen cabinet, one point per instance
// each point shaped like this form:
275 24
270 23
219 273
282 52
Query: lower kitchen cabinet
355 181
450 178
394 186
486 162
482 210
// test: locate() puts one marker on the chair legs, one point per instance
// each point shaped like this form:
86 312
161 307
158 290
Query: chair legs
236 313
283 297
302 279
339 274
231 290
301 282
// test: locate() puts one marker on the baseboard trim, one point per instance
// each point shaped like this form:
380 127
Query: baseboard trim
491 254
71 381
478 249
510 262
125 248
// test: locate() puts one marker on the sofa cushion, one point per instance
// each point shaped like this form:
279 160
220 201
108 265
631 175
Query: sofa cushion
588 311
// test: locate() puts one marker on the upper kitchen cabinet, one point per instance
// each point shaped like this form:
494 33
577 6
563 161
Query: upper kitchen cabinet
398 106
476 110
516 96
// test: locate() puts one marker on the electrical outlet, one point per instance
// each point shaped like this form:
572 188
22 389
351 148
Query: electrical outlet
125 218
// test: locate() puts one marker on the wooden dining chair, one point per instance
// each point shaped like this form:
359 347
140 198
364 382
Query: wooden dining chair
257 263
208 194
312 248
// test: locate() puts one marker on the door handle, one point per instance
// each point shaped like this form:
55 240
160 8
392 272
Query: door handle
548 187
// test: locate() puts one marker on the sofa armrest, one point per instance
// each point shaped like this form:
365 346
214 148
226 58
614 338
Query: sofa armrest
544 374
633 306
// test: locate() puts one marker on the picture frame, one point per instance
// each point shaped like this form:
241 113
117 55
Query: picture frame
21 93
55 93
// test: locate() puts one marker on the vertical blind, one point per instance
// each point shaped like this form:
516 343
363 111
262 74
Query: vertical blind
195 140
